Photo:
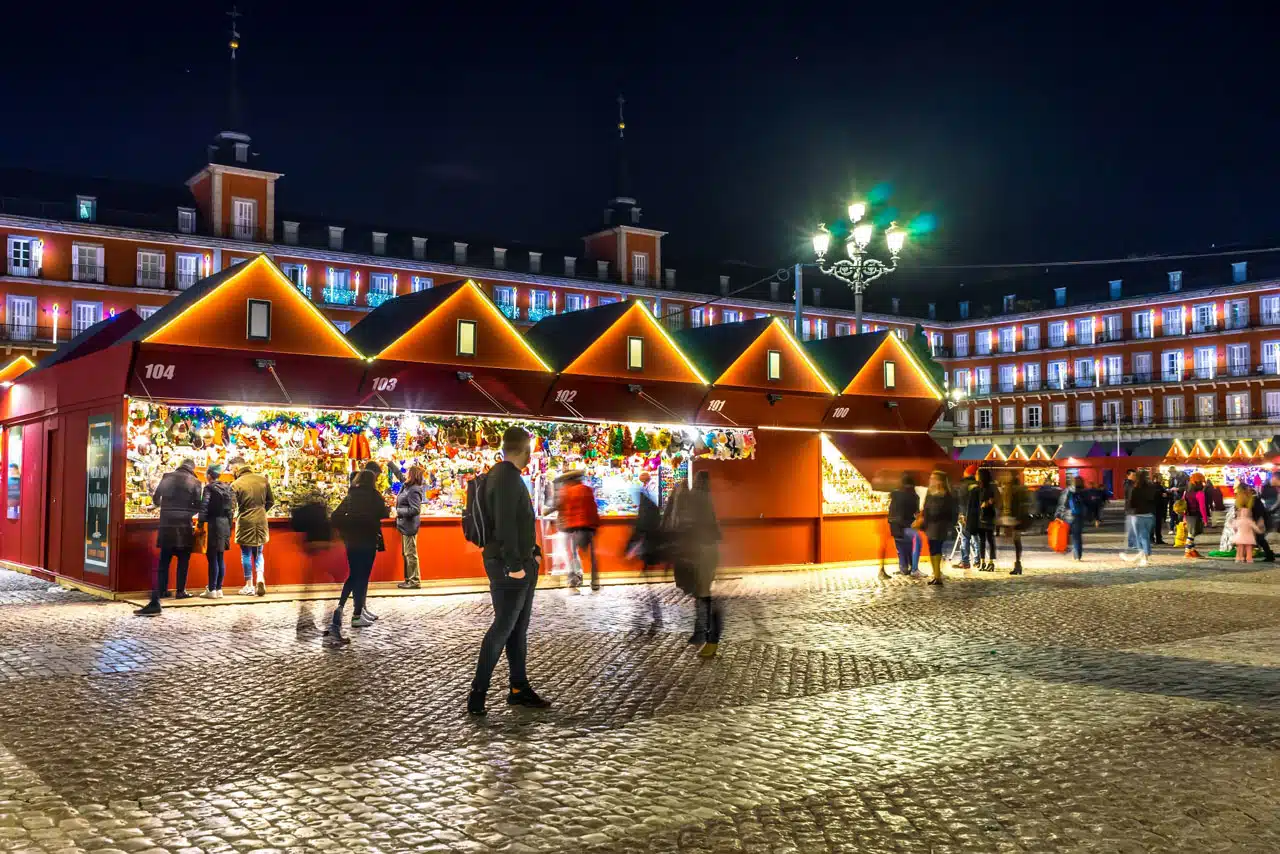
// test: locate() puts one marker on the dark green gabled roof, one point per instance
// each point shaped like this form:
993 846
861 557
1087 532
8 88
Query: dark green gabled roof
715 348
562 338
389 322
974 453
100 336
183 301
841 358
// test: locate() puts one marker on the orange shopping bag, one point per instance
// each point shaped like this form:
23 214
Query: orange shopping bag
1058 533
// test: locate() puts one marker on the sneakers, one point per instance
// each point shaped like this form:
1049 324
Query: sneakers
409 585
1126 557
709 650
370 616
209 594
247 590
526 697
360 622
152 609
964 564
915 573
219 592
475 704
1191 554
261 589
1142 561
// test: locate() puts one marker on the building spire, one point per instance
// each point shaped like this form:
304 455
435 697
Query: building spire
622 207
233 107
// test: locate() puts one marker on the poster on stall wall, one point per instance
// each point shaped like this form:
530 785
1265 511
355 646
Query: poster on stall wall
13 498
97 505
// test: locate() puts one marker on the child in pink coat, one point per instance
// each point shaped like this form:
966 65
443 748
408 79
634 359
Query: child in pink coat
1247 528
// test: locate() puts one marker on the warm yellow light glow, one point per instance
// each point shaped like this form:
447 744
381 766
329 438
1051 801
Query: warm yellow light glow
279 274
658 326
857 211
915 363
17 367
862 234
896 238
795 345
821 242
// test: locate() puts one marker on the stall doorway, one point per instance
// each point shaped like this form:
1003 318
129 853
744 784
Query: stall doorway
50 550
1108 481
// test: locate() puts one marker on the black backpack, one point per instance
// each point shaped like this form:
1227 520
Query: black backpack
475 520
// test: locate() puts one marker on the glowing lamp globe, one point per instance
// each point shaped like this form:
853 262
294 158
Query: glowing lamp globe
862 234
857 211
896 238
821 242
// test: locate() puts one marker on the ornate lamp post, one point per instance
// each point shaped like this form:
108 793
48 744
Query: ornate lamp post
859 270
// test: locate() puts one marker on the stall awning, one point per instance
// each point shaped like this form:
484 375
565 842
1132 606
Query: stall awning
1154 448
876 455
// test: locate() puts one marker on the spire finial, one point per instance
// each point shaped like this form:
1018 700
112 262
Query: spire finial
622 122
235 34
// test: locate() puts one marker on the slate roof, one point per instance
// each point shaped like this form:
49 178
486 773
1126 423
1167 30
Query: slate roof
842 358
1074 449
562 338
714 348
389 322
974 453
100 336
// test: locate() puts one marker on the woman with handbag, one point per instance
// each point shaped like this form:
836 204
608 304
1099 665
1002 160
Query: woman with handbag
217 506
359 519
939 520
904 508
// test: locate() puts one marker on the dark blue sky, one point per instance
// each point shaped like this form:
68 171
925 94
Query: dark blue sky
1028 135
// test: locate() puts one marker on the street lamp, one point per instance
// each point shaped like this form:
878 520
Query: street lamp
859 270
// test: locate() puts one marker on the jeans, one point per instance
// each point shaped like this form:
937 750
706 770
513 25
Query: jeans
512 605
162 570
966 545
709 619
360 564
580 539
1077 536
1143 524
917 546
217 569
251 560
904 544
1130 532
409 547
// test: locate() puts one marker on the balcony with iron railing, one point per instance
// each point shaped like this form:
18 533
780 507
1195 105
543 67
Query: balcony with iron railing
536 313
1200 373
373 299
1126 421
151 279
339 296
510 309
32 334
93 274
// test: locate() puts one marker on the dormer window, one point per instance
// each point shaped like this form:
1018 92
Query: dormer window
379 243
335 237
466 337
419 248
290 233
775 365
635 353
670 277
570 266
242 152
499 258
87 208
459 252
602 269
535 262
186 221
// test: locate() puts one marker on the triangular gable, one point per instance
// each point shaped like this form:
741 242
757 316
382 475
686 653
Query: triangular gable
797 373
1243 450
214 313
1200 449
664 361
1220 449
433 338
996 453
1264 448
561 338
1041 454
1180 449
1018 453
910 377
15 369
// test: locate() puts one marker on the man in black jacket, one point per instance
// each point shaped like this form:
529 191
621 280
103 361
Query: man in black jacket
178 496
1269 502
511 559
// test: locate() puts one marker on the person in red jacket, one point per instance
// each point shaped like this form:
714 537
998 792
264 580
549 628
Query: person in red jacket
576 515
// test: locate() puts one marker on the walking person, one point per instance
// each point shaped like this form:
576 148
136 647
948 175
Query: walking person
511 562
1267 507
1247 526
253 497
699 531
217 507
981 517
1140 506
1015 515
904 504
961 494
178 497
1197 510
578 516
939 516
645 544
408 521
1162 507
359 520
1071 509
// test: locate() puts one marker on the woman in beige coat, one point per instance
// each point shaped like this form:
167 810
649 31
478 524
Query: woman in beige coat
253 500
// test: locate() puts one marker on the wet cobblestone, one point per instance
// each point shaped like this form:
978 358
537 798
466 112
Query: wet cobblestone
1087 707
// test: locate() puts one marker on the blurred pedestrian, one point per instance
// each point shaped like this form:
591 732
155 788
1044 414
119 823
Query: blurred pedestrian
967 535
1140 517
939 517
1072 509
577 514
1162 507
511 557
981 517
1014 515
309 516
1247 526
904 506
700 532
408 521
645 544
178 497
253 499
1268 506
1196 511
217 506
359 520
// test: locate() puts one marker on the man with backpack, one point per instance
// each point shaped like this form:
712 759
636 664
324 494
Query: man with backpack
499 517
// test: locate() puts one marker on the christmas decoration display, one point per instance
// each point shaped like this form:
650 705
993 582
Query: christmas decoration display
734 444
309 452
844 489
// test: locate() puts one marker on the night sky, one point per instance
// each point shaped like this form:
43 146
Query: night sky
1022 136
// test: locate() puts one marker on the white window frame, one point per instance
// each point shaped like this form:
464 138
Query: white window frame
1086 330
640 268
982 379
982 420
1011 372
1203 417
91 273
179 275
1269 310
95 307
422 283
1143 411
1031 336
291 232
1139 374
1204 360
1144 324
1173 376
574 302
1112 412
1270 357
31 267
890 375
465 341
961 344
1233 319
963 379
1238 364
1057 379
151 275
1060 339
1179 313
382 283
21 331
635 353
843 329
1008 419
240 230
962 419
1172 402
1204 317
773 365
1033 417
257 315
145 311
982 344
89 202
1058 415
1085 378
186 220
343 326
1031 378
1237 414
1112 369
1009 339
1081 419
1113 327
1271 406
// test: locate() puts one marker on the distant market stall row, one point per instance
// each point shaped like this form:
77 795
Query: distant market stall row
1225 462
241 365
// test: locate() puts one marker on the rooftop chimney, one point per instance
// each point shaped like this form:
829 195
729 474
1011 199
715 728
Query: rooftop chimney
724 285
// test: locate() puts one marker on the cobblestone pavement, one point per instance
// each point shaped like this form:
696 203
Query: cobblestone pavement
1082 707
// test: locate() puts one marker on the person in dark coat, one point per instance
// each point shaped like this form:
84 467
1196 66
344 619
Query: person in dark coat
904 504
217 507
980 519
940 512
408 521
961 494
359 519
1162 507
178 496
699 534
645 543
